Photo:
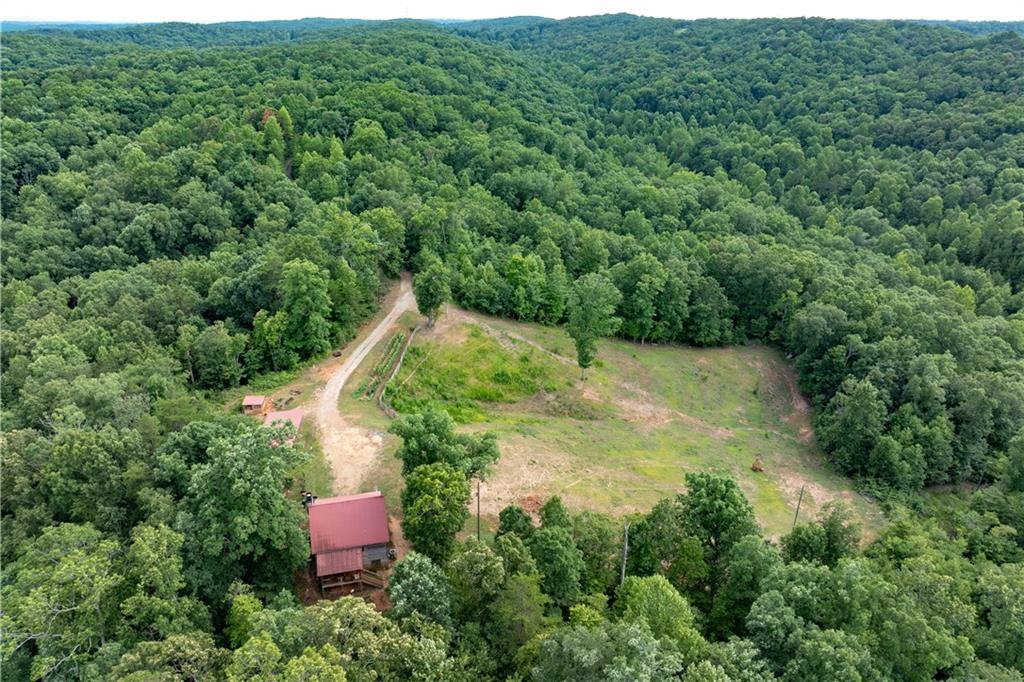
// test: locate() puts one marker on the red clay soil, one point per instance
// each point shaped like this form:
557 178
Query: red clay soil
531 504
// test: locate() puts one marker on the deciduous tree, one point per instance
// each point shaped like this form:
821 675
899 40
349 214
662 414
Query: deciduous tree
430 437
307 308
431 288
236 520
418 585
434 507
476 573
560 564
591 315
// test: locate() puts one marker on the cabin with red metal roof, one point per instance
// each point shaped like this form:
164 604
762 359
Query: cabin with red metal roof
348 537
255 404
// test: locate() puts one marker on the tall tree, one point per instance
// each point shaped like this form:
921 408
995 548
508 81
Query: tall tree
236 520
716 511
434 505
517 616
191 656
553 514
325 664
476 574
832 537
156 608
430 437
391 231
431 288
609 651
60 598
560 564
653 602
212 356
599 538
284 120
269 349
591 315
307 307
512 519
852 425
418 585
515 555
749 562
273 139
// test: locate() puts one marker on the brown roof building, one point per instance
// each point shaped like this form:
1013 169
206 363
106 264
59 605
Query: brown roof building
349 538
255 404
283 416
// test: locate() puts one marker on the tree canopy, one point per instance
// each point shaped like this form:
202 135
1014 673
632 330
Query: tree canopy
188 210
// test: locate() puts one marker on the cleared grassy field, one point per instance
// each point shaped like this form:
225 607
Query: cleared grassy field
626 436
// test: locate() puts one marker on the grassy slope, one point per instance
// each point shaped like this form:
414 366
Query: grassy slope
626 437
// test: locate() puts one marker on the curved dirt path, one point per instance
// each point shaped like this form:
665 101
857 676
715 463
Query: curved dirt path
350 448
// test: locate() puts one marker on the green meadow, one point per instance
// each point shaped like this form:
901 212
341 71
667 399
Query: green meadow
626 437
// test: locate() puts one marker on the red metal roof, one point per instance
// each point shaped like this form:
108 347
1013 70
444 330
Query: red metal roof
342 561
337 523
293 416
253 400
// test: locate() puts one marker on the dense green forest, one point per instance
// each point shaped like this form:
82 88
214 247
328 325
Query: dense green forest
188 209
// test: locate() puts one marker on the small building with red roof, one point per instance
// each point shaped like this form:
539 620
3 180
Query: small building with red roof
255 404
348 537
282 417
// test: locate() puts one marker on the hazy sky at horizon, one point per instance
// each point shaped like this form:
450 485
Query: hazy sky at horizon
205 11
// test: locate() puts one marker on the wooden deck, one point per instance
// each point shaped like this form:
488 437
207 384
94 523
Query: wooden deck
352 581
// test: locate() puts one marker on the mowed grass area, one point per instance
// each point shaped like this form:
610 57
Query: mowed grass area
315 474
625 437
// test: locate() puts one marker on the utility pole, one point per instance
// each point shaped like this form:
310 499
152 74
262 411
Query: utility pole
799 500
478 510
625 553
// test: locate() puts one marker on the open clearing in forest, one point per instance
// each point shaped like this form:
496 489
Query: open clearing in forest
617 443
626 436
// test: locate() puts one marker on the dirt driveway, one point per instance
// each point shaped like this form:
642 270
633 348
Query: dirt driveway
351 449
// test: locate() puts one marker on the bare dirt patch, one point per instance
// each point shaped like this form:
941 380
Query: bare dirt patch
451 326
525 465
800 412
529 472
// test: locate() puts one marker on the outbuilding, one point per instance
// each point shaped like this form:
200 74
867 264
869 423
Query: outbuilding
348 538
255 404
282 417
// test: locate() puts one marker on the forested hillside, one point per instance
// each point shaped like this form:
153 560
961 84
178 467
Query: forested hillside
189 209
